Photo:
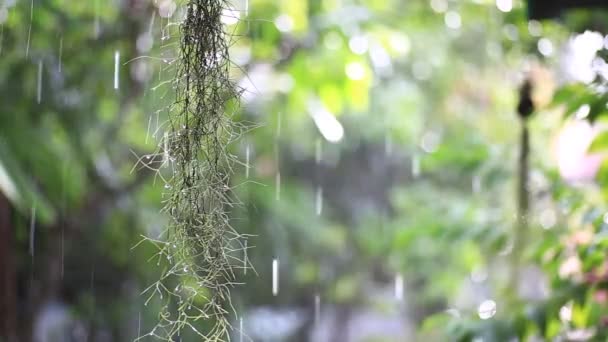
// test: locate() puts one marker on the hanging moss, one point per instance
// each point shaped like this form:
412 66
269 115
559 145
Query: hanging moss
201 246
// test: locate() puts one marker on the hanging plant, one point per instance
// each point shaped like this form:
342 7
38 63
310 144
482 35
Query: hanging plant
200 244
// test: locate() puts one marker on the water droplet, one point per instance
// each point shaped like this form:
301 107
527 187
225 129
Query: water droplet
60 54
245 258
241 332
275 277
317 309
476 184
388 145
399 287
247 157
487 309
29 31
96 26
319 200
39 83
116 68
415 166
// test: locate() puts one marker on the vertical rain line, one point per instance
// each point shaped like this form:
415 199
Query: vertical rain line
241 333
319 200
317 318
151 27
148 130
318 151
415 165
60 53
275 277
116 68
166 148
96 20
138 325
29 31
399 287
247 157
245 258
39 83
388 145
247 16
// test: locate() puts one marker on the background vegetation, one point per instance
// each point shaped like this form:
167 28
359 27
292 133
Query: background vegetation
382 176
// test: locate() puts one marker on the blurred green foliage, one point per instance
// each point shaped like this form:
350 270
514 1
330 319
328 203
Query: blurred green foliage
421 185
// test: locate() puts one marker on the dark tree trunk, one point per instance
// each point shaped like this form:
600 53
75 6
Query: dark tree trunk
8 285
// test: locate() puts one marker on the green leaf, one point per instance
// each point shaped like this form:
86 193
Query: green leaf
20 191
600 143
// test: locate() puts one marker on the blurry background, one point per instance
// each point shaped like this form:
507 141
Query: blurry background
381 178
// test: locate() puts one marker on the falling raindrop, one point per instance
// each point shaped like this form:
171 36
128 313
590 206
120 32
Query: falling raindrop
246 8
275 276
241 333
60 53
319 200
39 83
277 184
318 151
138 325
399 287
317 309
476 184
245 258
116 68
148 130
166 148
247 156
416 166
32 230
96 21
29 31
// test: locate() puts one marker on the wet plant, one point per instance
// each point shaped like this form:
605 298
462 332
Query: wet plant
199 243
